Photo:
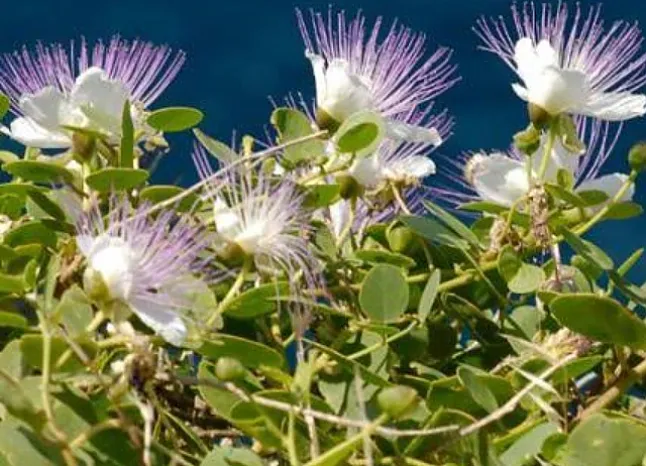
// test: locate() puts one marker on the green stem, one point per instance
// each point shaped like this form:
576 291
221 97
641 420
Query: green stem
342 450
390 339
232 293
547 153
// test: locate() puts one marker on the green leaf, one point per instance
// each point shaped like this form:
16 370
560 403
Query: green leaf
5 105
588 250
527 280
291 125
434 231
453 223
31 233
321 195
174 119
31 347
525 449
47 205
605 320
384 294
565 178
377 256
159 193
21 447
360 134
604 441
566 195
623 211
217 149
12 320
74 311
116 179
17 403
12 283
428 296
487 390
223 456
126 153
593 197
249 353
257 301
508 263
39 172
632 291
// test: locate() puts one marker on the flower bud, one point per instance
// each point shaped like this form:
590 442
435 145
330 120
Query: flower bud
397 401
528 141
349 187
400 238
229 369
637 157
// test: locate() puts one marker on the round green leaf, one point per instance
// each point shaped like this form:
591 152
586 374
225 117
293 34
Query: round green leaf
527 280
174 119
38 172
360 134
292 124
601 319
257 301
384 294
116 179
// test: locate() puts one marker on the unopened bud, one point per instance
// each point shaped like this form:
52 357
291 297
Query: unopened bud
229 369
400 238
397 401
349 187
637 157
529 140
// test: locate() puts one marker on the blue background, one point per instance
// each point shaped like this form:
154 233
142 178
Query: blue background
241 52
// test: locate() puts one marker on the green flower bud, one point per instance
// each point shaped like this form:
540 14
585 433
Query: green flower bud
325 121
349 187
268 166
400 238
229 369
637 157
527 141
397 402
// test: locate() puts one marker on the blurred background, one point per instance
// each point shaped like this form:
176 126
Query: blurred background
242 52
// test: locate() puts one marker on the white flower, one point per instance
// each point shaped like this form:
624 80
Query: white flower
94 103
570 63
560 90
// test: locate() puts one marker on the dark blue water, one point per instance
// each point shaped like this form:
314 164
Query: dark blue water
241 52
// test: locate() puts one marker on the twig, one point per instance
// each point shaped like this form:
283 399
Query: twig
614 392
367 443
341 421
514 401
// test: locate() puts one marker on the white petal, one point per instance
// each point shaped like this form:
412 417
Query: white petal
520 91
609 184
47 107
345 92
557 90
165 322
116 261
401 131
500 179
100 98
367 171
546 54
318 66
29 133
415 166
614 106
